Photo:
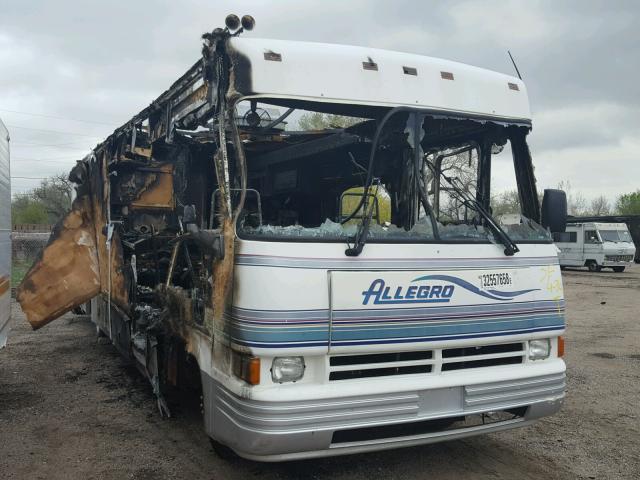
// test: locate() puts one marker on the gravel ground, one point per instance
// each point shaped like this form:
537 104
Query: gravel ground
70 408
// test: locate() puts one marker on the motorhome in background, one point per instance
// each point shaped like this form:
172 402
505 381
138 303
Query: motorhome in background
224 254
631 221
5 235
596 246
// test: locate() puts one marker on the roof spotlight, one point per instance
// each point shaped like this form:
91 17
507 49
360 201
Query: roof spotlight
248 22
232 22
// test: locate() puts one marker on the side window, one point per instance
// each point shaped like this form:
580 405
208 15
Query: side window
565 237
590 236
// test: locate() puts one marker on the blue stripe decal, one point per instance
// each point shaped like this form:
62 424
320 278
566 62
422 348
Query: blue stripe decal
389 332
392 341
268 318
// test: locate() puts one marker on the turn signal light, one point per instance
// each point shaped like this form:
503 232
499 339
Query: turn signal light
246 368
560 346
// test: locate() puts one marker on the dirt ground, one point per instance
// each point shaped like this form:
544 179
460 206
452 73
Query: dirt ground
70 408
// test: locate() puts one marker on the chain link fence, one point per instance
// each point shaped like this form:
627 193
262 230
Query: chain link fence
25 248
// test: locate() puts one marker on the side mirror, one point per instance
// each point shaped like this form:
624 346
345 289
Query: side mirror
554 210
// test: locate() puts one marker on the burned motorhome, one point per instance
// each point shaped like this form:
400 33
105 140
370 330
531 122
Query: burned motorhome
329 284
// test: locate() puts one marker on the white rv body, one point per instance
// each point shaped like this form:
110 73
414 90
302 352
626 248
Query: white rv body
308 300
5 236
596 246
288 303
334 74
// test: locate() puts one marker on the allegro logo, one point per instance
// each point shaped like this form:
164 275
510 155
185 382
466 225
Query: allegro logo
438 293
381 294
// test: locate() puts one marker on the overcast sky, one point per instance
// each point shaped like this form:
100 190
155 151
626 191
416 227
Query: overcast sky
82 68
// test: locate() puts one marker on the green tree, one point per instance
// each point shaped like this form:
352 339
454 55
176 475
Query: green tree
629 203
55 194
24 209
505 202
46 203
322 121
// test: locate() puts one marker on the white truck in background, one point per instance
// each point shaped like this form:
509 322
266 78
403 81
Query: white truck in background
5 236
595 246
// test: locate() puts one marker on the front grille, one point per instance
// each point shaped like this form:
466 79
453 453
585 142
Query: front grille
489 362
482 356
618 258
348 367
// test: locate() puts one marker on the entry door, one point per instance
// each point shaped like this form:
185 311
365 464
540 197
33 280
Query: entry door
592 245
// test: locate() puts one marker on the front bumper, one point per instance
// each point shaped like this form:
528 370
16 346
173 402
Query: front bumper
278 431
609 263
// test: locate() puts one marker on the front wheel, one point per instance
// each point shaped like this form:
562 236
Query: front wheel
593 266
618 269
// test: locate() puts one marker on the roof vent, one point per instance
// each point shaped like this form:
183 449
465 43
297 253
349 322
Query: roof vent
370 65
446 75
410 71
272 56
514 86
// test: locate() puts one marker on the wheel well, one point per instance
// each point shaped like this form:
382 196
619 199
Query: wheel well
183 383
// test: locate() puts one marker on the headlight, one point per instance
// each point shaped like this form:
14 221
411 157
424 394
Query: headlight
539 349
287 369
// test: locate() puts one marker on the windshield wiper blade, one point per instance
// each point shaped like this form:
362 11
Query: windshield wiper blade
362 233
510 247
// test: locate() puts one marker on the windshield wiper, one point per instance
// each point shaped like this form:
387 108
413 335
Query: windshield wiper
362 232
510 247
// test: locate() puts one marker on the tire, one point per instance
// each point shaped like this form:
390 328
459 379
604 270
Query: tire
618 269
593 266
562 267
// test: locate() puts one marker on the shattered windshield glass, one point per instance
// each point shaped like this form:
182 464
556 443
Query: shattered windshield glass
331 230
316 178
526 230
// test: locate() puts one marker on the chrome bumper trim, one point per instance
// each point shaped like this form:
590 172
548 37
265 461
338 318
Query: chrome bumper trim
276 431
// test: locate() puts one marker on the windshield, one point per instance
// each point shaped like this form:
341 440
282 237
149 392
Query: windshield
314 179
615 235
625 236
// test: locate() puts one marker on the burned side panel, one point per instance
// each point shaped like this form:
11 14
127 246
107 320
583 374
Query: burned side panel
141 217
157 192
113 282
67 273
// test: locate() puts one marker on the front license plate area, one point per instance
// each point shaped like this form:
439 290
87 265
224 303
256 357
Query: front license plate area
440 401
